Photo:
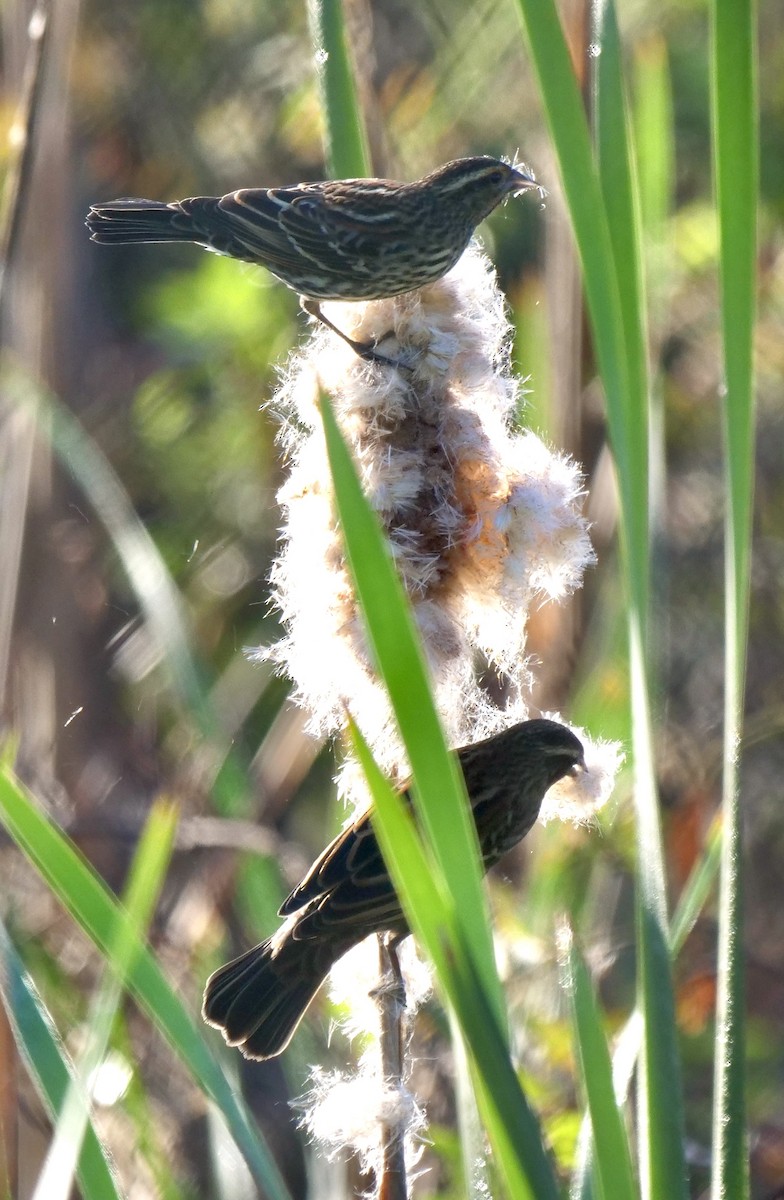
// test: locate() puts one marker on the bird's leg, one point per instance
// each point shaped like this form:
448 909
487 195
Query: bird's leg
363 349
390 943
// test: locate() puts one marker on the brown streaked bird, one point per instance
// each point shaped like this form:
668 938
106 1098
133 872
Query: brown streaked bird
258 1000
346 239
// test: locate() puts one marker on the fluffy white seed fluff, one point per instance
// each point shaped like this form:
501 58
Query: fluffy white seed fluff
344 1112
484 520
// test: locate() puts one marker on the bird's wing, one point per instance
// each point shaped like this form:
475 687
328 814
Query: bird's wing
250 219
360 228
292 229
352 863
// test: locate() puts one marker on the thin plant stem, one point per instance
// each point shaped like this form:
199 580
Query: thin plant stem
390 998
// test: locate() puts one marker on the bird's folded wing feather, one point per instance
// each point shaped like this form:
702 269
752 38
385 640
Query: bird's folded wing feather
354 859
295 221
249 221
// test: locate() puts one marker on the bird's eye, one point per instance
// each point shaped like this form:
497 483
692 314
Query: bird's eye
497 176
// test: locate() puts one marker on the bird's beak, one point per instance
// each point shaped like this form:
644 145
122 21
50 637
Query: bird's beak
522 180
579 768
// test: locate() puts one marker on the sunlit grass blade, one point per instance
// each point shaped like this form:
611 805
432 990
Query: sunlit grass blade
440 795
94 908
697 889
44 1059
566 119
654 155
620 189
473 1142
440 878
624 1063
736 170
660 1153
661 1124
653 136
611 1157
432 911
600 200
148 870
347 150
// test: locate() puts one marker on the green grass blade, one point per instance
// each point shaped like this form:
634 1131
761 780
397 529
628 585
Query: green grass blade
620 190
624 1062
736 168
569 130
611 1158
441 887
697 889
432 911
147 874
440 881
150 864
40 1049
347 150
511 1124
95 909
660 1103
598 200
439 791
660 1098
653 135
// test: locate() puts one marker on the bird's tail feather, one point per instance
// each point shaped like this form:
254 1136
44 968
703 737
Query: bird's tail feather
132 220
259 999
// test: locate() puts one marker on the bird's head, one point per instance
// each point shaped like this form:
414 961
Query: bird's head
478 185
561 752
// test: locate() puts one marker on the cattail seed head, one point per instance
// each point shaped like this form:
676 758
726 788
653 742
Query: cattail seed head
483 520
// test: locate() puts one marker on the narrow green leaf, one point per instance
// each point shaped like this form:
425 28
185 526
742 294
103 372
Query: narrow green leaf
653 134
660 1107
91 904
662 1157
624 1062
432 914
513 1128
425 899
439 792
148 870
620 190
566 119
612 1164
598 202
659 1094
347 150
697 889
736 169
49 1069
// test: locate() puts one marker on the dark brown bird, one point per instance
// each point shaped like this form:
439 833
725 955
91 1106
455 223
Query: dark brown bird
258 1000
347 239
